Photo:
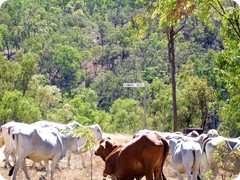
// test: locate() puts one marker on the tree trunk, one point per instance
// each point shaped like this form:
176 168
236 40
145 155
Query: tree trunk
171 58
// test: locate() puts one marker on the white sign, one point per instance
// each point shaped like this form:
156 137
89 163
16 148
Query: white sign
133 84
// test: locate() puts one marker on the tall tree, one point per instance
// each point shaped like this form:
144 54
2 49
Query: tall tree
228 65
29 64
170 16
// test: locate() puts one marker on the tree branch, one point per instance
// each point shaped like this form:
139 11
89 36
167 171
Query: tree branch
237 31
216 9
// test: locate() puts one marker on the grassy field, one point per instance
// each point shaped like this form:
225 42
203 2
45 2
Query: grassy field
77 172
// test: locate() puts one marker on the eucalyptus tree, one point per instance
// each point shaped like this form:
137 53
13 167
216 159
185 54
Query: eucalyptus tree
5 39
170 17
9 75
66 61
196 101
228 66
108 88
28 67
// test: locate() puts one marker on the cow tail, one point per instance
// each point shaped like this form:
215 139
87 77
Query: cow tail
165 154
11 171
194 161
204 146
15 138
194 166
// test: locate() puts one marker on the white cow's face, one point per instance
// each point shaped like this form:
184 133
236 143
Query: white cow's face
97 131
80 143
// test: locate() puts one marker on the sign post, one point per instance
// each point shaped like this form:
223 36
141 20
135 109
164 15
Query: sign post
144 101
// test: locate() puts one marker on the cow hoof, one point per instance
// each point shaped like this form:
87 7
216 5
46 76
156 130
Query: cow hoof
42 178
40 168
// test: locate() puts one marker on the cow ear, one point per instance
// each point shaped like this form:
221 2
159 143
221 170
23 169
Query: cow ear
9 129
108 145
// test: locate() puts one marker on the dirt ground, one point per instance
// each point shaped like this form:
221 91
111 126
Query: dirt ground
76 171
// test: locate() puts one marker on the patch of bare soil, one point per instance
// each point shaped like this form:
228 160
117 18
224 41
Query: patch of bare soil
93 170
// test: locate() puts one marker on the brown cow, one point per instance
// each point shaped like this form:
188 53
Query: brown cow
142 156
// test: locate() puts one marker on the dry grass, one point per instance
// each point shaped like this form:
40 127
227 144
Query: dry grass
76 172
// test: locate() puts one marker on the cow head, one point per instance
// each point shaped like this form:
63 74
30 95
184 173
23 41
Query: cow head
212 133
96 129
106 146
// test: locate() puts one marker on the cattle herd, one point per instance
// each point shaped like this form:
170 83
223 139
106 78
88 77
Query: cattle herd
192 155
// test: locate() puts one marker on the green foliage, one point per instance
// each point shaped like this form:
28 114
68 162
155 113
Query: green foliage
159 106
127 116
16 107
104 119
107 86
228 70
83 132
87 134
28 111
84 105
63 114
29 64
4 35
196 100
225 159
9 74
53 52
9 105
66 62
48 98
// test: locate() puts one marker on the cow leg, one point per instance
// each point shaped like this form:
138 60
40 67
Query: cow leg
7 155
180 177
54 165
24 168
83 160
15 170
149 173
46 164
149 176
188 168
43 165
17 166
158 173
104 176
68 157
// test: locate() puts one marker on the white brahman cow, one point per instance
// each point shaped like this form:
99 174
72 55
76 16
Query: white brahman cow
59 126
186 157
193 134
5 137
212 133
86 145
211 146
83 140
6 140
39 144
